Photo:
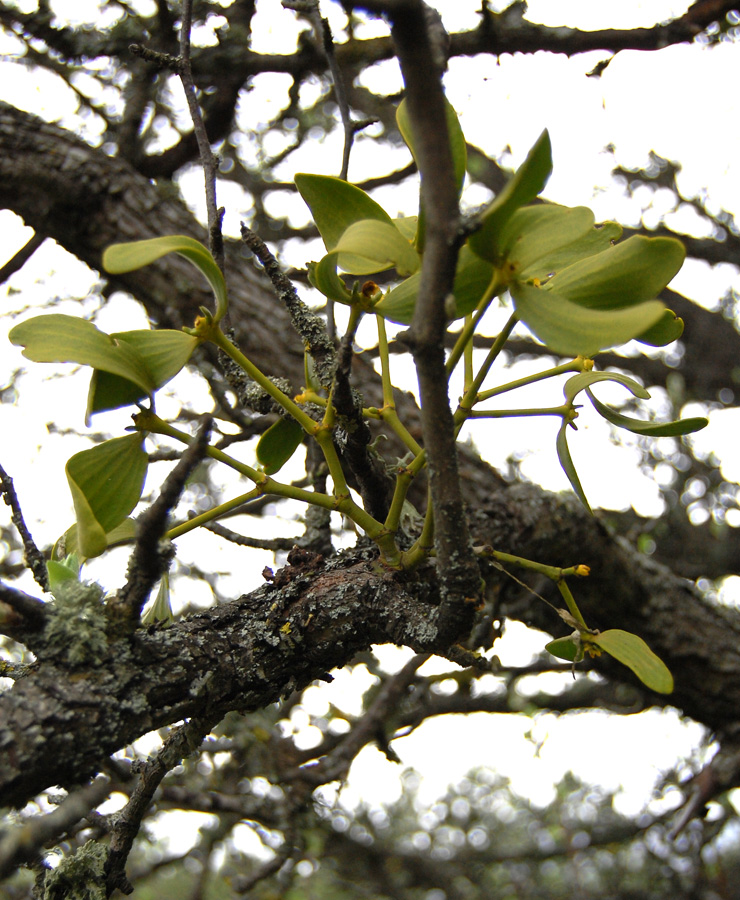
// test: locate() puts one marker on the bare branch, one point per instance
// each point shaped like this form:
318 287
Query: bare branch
33 556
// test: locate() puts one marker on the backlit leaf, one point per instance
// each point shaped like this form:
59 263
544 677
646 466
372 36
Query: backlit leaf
106 482
566 463
572 330
648 429
336 204
621 276
534 233
522 188
634 653
565 648
278 444
666 330
120 258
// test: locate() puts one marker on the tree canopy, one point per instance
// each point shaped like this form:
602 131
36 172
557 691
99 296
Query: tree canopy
446 551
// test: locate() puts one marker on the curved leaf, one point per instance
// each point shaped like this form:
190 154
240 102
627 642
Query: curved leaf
472 278
336 204
648 429
534 233
522 188
164 353
665 331
580 382
565 648
634 653
125 533
61 338
278 444
323 276
371 246
566 463
120 258
106 483
571 329
621 276
595 240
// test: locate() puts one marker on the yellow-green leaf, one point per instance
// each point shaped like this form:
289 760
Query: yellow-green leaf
278 444
106 483
120 258
634 653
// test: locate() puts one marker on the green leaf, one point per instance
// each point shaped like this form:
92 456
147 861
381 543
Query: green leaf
522 188
120 258
164 353
596 239
371 246
458 149
665 331
571 329
565 648
161 609
61 338
125 533
472 278
534 233
634 653
336 204
106 483
621 276
577 383
566 463
648 429
59 573
323 276
278 444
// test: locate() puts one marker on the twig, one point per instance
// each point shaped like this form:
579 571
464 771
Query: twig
244 541
148 559
20 613
34 558
22 844
184 69
180 743
372 726
309 326
21 257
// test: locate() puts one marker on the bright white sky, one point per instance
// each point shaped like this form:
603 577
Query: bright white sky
671 102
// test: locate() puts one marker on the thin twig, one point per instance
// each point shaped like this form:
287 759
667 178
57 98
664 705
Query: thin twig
23 843
21 257
242 540
180 743
20 613
149 559
309 326
207 160
34 558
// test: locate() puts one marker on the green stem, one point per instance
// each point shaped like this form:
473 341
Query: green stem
214 334
576 365
212 514
495 286
424 544
385 364
509 413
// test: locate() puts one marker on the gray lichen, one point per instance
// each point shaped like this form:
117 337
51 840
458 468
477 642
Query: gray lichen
77 877
76 630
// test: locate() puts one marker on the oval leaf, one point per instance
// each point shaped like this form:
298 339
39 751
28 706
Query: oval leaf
278 444
536 232
61 338
106 483
634 653
522 188
336 204
621 276
574 330
596 239
125 533
120 258
565 648
164 352
371 246
648 429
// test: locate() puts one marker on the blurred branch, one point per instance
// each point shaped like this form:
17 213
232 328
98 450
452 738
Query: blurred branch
33 556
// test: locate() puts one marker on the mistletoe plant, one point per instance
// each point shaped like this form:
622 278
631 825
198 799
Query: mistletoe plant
571 282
